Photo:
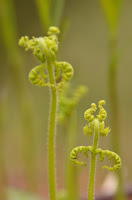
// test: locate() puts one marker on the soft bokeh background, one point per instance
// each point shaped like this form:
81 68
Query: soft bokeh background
85 46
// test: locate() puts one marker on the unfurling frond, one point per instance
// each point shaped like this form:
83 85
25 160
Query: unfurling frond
95 127
45 49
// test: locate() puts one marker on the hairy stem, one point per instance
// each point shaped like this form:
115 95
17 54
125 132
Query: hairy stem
51 152
92 177
93 162
52 121
113 63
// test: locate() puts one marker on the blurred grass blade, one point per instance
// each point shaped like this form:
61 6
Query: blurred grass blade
7 14
15 66
3 125
59 7
47 17
112 11
9 33
72 174
44 10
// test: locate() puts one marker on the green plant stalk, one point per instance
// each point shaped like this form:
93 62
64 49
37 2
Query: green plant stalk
51 152
93 162
3 120
112 77
71 170
59 7
52 121
3 173
9 31
112 13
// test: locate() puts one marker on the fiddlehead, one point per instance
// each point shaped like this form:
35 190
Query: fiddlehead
68 101
111 155
65 71
102 116
95 126
75 151
44 49
99 151
88 115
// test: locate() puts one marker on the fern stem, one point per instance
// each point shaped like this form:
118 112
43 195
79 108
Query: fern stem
52 121
93 162
51 142
92 177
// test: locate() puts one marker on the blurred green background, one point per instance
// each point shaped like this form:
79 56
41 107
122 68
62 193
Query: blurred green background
85 46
